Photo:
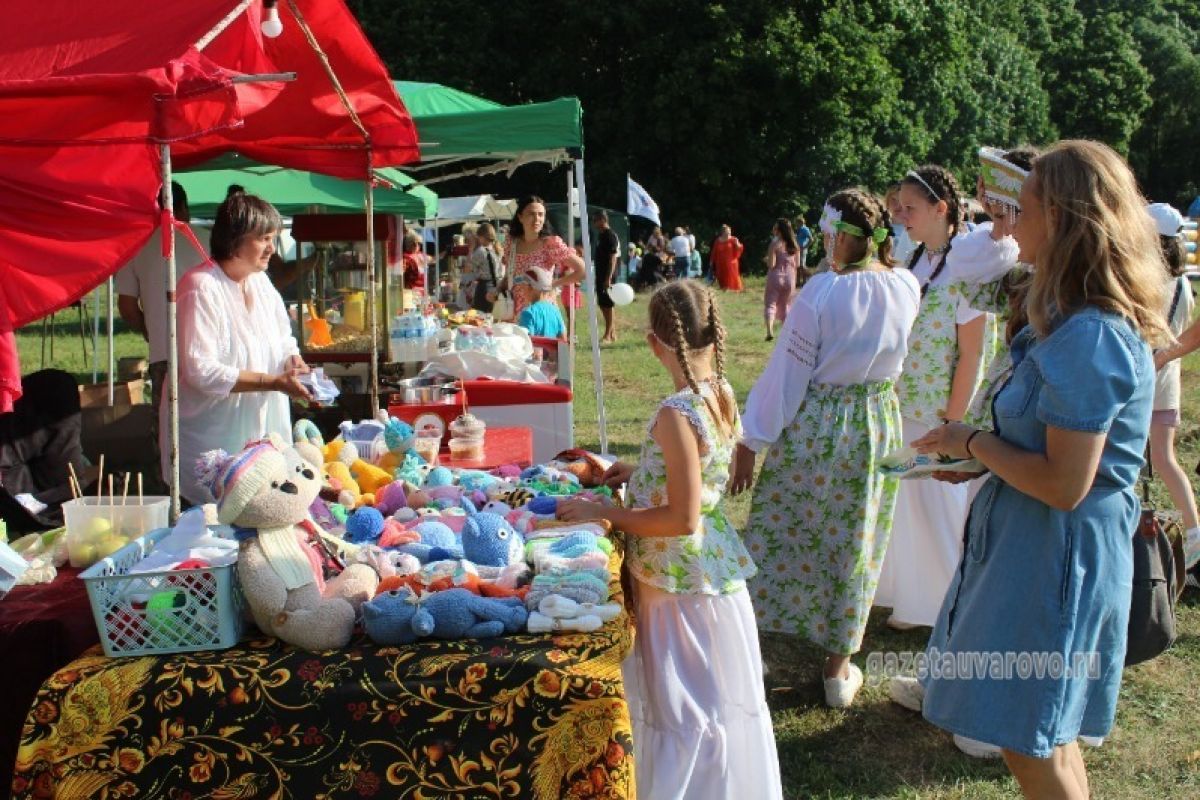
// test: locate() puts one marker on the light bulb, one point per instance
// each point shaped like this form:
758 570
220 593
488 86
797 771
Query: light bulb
271 26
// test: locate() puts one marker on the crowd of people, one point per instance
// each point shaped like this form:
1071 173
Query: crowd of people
1037 349
1022 348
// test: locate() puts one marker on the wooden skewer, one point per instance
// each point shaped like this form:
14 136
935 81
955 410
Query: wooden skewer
100 482
125 490
73 480
141 511
112 523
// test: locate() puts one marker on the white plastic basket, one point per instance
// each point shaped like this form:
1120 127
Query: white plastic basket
167 611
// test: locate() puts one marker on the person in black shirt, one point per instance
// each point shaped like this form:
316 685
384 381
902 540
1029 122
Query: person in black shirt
607 248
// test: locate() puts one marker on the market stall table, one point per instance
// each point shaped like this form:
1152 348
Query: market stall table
500 446
531 716
42 628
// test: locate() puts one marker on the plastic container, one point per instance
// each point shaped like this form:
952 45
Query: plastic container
427 447
468 426
168 611
466 449
100 527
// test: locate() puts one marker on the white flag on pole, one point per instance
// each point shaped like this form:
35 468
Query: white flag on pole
638 201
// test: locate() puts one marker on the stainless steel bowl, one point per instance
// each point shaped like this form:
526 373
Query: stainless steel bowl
422 391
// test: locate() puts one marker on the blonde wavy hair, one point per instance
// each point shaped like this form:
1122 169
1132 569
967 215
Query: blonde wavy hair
1101 246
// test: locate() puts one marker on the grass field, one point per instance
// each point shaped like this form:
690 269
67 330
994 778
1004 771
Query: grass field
875 749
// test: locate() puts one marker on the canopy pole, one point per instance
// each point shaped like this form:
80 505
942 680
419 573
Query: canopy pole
373 363
112 356
172 388
570 293
96 335
225 22
589 284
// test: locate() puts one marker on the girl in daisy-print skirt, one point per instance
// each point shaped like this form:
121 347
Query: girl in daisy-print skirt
825 412
701 726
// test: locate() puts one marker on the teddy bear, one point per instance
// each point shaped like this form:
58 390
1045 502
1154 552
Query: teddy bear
401 616
265 492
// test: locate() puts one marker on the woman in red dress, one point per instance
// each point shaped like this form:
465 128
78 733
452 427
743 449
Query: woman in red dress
537 246
726 253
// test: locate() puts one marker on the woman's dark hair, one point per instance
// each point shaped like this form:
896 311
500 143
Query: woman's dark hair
1174 254
1022 156
239 217
787 236
944 187
516 229
862 208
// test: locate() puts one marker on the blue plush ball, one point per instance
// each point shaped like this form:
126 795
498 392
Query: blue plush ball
439 476
543 504
436 533
364 526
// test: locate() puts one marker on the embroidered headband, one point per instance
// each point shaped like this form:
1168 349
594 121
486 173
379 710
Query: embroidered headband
1002 179
916 177
877 234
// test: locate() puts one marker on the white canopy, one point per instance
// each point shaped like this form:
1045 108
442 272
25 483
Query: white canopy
453 210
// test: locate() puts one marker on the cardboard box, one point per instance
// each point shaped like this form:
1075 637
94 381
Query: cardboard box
95 395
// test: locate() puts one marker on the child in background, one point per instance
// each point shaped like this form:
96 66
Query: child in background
542 317
701 726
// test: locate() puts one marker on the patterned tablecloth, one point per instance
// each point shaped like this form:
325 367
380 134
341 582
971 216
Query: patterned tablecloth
529 716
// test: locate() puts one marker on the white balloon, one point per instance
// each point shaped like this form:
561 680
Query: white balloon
621 294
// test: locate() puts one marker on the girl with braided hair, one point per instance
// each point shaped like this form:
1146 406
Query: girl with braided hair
950 349
825 411
701 726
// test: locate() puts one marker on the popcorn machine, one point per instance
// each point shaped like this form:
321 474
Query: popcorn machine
334 309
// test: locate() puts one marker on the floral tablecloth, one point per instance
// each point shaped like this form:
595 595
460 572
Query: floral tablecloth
529 716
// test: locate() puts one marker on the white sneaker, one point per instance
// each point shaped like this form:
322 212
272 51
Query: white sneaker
840 692
975 748
897 625
907 692
1091 741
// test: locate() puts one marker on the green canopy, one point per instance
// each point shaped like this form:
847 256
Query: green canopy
297 192
454 126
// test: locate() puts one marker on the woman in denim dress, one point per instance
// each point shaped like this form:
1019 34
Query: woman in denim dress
1035 620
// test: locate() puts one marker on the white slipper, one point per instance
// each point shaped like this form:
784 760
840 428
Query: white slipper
1091 741
975 748
907 692
840 692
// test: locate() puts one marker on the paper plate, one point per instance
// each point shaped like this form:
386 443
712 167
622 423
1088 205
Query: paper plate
908 463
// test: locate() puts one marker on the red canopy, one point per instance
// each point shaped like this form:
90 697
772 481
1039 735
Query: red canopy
87 91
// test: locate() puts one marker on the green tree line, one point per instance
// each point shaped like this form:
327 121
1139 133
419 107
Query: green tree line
746 110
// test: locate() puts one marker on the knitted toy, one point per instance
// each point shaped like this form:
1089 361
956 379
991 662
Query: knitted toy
398 438
338 475
544 505
309 441
391 498
339 450
562 608
395 534
369 477
438 476
488 539
413 470
472 480
438 543
517 497
364 526
402 617
265 492
497 507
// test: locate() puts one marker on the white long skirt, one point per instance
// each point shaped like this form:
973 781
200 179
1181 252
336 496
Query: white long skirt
926 544
701 726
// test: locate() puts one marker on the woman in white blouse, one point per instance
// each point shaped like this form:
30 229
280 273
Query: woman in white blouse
238 360
825 411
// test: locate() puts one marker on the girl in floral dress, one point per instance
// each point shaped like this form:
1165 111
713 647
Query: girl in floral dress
694 679
535 245
825 411
950 350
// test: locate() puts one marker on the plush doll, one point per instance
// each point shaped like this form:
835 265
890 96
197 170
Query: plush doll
339 450
438 476
265 495
391 498
398 437
413 470
498 507
369 477
544 505
402 617
517 497
438 543
338 475
364 526
473 480
488 540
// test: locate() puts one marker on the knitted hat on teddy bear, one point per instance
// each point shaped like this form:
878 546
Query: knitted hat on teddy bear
235 479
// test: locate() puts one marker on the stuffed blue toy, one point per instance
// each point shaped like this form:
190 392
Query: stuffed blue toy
459 614
439 476
364 526
543 505
401 617
489 540
438 543
413 470
397 435
388 617
474 480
